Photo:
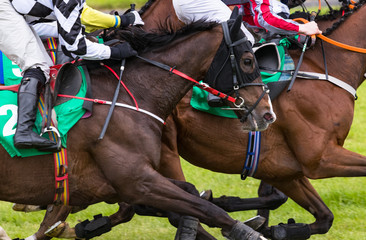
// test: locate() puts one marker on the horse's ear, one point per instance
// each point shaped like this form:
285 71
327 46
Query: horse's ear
236 26
235 13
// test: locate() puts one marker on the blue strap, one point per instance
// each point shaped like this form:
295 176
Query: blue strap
252 156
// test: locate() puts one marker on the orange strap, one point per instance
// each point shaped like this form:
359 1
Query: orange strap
341 45
331 41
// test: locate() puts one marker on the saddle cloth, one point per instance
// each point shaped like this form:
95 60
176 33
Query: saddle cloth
68 114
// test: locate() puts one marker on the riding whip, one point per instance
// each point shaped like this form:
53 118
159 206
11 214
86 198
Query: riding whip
106 123
312 18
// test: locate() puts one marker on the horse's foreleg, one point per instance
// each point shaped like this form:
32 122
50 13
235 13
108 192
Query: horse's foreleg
303 193
336 161
63 230
274 199
170 165
53 215
269 199
154 190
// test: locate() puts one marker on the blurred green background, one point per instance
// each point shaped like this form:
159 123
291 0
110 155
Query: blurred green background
112 4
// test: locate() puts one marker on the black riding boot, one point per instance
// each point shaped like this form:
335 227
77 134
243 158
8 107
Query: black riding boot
28 95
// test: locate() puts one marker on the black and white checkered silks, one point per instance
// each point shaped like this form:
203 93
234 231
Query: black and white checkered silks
71 32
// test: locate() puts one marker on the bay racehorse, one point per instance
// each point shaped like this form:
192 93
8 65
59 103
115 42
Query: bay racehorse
122 166
306 141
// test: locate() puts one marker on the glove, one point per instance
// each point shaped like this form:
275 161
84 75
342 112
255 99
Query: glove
121 51
131 18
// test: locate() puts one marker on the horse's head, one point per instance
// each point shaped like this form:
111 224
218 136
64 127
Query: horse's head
230 67
161 13
234 70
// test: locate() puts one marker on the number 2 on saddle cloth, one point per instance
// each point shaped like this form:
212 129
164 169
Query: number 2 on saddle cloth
10 75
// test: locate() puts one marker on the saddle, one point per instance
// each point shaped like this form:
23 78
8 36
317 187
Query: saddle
67 82
271 63
268 57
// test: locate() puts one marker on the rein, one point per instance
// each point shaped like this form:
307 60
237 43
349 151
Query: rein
341 45
203 86
211 90
334 42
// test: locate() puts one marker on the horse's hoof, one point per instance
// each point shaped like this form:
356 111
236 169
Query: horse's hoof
207 195
56 229
242 231
61 230
256 222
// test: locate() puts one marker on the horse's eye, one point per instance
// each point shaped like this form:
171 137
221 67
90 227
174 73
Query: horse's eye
247 62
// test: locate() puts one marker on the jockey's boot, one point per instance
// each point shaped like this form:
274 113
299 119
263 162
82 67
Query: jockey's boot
28 96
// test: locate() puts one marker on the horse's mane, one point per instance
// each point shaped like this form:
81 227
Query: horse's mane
146 6
143 41
344 12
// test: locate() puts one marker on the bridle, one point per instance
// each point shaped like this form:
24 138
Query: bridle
240 80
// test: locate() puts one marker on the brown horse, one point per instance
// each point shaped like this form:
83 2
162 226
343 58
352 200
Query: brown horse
122 167
305 142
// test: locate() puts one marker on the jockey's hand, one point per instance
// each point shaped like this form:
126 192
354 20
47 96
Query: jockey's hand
131 18
121 51
309 28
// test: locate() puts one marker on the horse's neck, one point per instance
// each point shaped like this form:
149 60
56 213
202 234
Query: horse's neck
343 64
161 13
157 90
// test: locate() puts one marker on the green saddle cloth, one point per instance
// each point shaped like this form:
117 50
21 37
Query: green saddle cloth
67 115
199 96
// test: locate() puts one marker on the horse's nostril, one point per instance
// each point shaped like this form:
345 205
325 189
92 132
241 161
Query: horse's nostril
268 117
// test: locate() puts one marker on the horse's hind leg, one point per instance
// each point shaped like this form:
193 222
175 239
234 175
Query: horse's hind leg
302 192
269 199
337 162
